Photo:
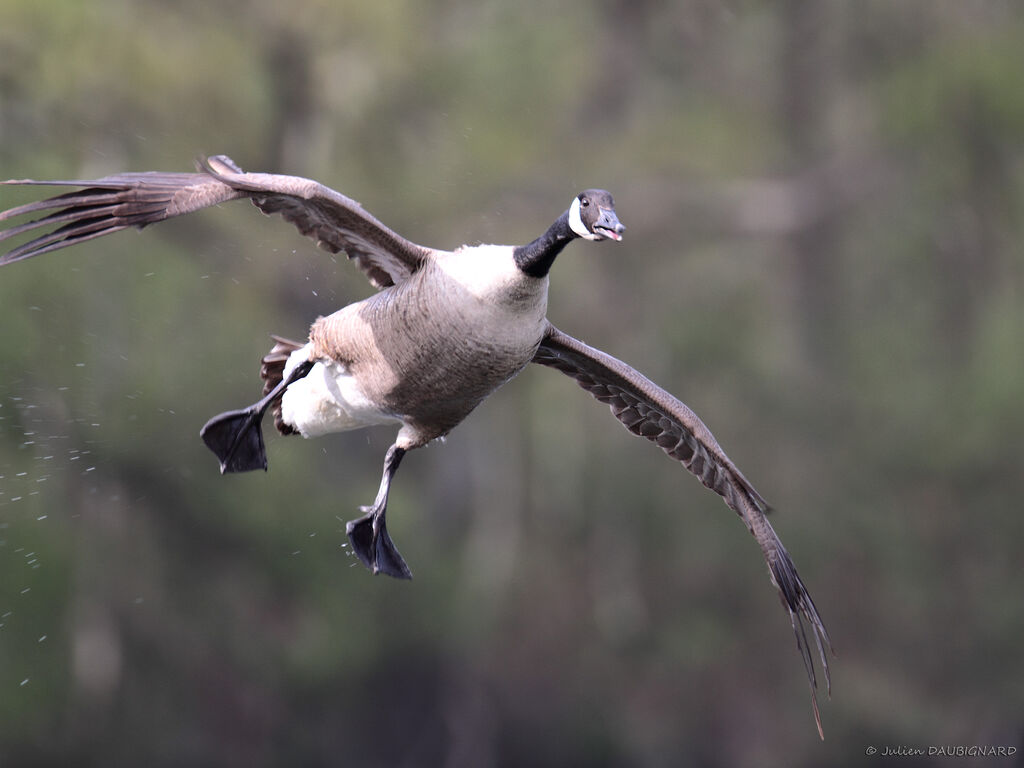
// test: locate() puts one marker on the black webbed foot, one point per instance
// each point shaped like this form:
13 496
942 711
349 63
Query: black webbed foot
373 546
237 439
237 436
369 533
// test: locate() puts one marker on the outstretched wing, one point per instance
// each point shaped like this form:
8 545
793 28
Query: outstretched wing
649 411
112 203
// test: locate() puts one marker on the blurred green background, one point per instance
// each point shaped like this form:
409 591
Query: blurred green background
824 203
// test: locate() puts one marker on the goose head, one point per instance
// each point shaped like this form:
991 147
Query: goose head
592 216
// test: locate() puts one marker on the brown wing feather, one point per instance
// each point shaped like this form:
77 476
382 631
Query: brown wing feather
336 222
109 205
649 411
126 200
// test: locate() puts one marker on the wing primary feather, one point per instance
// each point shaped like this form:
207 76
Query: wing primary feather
68 199
58 217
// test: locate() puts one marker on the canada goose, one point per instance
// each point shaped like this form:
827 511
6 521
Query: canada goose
445 330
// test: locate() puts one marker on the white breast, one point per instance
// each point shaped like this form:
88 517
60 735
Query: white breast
509 305
486 271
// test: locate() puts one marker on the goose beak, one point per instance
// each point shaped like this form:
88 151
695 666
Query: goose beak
608 225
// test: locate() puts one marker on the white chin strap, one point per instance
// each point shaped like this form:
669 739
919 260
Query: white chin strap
576 222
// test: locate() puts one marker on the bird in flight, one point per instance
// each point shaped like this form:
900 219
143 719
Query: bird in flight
444 330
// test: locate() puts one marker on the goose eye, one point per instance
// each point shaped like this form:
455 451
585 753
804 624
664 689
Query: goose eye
584 202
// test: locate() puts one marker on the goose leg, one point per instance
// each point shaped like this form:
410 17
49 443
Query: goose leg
369 533
237 437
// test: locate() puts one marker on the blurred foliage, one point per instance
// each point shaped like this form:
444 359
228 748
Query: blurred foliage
824 203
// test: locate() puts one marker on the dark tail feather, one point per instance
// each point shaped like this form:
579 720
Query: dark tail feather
272 373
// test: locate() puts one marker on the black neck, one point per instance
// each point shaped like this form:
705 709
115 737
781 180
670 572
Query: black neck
536 258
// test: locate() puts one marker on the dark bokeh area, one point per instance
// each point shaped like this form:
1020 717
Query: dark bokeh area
824 204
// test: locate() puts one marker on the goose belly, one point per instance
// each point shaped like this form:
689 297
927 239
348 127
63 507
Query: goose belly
328 399
447 380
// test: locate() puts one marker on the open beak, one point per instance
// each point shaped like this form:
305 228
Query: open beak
608 225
